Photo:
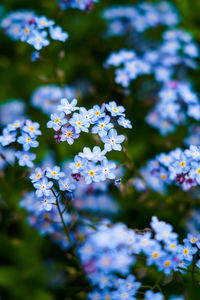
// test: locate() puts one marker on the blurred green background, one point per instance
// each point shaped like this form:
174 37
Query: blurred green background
32 267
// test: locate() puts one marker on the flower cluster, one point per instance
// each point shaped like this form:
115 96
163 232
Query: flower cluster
126 18
27 27
68 125
176 101
178 49
44 181
82 5
178 166
111 250
47 97
44 216
24 133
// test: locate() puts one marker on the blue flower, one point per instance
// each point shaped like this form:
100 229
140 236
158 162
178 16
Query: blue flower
79 123
193 152
37 175
186 252
27 141
15 125
107 169
78 165
25 158
7 137
56 33
121 77
38 39
95 155
69 135
54 173
124 122
99 113
181 165
150 295
102 126
43 22
43 187
129 284
91 173
35 56
112 140
57 121
46 203
193 239
114 109
167 264
66 185
87 114
67 107
32 128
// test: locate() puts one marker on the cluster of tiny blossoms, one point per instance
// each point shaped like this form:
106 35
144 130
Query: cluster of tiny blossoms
178 49
68 125
178 166
47 97
176 101
167 61
44 216
85 5
126 18
27 27
113 249
24 133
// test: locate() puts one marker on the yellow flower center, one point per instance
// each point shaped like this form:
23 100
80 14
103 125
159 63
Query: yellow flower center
97 113
185 251
155 255
28 139
31 128
193 240
54 173
198 171
26 31
182 164
38 175
173 246
69 134
163 176
167 263
16 124
114 109
78 165
102 125
79 123
57 120
91 173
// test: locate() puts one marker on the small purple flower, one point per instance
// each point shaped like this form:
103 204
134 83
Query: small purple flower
69 134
